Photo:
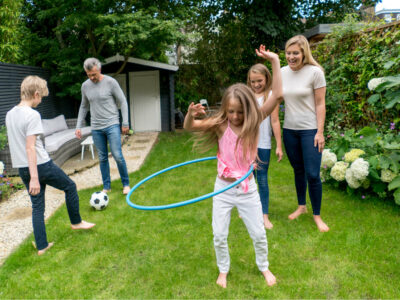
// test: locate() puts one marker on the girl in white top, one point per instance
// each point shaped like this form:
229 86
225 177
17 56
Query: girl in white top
259 80
304 90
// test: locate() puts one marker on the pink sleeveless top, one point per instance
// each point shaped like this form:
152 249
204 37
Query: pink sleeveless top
230 162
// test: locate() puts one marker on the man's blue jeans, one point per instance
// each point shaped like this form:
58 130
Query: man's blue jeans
50 174
306 162
112 134
261 174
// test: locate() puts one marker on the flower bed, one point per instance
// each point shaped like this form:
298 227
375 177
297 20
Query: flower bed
365 162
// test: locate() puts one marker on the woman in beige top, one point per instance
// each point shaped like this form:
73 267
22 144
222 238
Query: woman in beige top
304 90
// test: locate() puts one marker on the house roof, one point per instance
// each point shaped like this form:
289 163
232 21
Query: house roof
143 62
319 29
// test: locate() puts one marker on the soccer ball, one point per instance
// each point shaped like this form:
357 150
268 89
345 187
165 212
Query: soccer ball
99 200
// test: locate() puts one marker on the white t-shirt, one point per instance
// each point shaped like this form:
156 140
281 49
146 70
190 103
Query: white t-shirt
264 139
23 121
298 93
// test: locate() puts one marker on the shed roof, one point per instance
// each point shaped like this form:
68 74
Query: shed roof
143 62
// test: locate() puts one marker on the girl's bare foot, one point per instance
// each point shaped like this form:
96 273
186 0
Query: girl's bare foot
321 224
302 209
267 222
269 278
82 225
41 252
106 191
221 280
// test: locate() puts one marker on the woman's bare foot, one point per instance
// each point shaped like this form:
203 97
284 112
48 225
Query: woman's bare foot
269 277
221 280
41 252
126 190
301 209
106 191
82 225
320 224
267 222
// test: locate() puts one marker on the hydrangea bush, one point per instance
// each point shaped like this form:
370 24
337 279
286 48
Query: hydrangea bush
365 162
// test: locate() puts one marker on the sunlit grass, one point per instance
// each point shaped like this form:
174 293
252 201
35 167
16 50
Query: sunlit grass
170 254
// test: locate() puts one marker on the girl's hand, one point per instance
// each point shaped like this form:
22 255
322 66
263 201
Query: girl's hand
319 141
268 55
196 110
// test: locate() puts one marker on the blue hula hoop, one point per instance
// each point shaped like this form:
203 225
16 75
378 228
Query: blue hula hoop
178 204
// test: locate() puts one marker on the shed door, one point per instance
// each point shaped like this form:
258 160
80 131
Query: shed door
144 100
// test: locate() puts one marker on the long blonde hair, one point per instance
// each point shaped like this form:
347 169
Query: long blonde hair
252 119
263 70
302 42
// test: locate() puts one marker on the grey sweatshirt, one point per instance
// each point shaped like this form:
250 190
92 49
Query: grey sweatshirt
103 98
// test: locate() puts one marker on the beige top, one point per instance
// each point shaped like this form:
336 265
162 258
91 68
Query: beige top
298 93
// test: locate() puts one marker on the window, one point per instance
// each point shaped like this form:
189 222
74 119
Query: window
388 18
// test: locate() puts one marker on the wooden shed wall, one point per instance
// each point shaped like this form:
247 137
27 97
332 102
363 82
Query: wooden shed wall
11 77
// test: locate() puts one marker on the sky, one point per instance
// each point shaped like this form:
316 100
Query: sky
388 4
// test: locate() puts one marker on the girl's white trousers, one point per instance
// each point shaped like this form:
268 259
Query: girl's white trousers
249 208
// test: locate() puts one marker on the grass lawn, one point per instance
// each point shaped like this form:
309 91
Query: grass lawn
170 254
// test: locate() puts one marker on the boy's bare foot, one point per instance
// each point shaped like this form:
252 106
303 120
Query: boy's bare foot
106 191
41 252
267 222
82 225
126 190
269 277
321 224
221 280
302 209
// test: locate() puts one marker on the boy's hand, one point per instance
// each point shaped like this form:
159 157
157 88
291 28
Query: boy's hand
34 186
268 55
196 110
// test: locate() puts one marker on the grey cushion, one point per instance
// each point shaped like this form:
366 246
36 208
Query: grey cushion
56 124
56 140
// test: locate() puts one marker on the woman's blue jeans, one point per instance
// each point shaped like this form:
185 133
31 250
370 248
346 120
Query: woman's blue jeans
50 174
306 162
112 135
261 173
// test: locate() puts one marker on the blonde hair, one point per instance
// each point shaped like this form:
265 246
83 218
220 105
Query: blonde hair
302 42
252 119
263 70
32 84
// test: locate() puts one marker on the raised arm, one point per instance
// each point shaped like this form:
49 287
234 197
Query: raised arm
190 123
276 95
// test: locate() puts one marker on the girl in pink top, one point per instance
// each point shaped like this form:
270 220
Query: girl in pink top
235 128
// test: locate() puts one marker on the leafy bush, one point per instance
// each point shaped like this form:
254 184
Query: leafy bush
8 185
367 162
352 55
3 137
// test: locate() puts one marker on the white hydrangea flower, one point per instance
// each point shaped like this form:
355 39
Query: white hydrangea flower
353 154
338 170
1 168
374 82
351 180
328 158
360 169
387 175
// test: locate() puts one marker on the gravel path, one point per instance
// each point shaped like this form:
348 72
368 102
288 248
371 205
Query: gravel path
15 213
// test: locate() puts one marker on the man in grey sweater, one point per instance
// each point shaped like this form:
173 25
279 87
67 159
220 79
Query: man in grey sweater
102 95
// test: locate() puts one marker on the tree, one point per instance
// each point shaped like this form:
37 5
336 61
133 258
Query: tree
11 31
65 32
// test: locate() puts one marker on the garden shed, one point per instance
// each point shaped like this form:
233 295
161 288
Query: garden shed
149 90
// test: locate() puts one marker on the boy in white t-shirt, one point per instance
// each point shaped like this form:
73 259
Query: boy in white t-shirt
36 169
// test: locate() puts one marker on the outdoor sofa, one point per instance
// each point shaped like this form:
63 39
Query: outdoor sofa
59 140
